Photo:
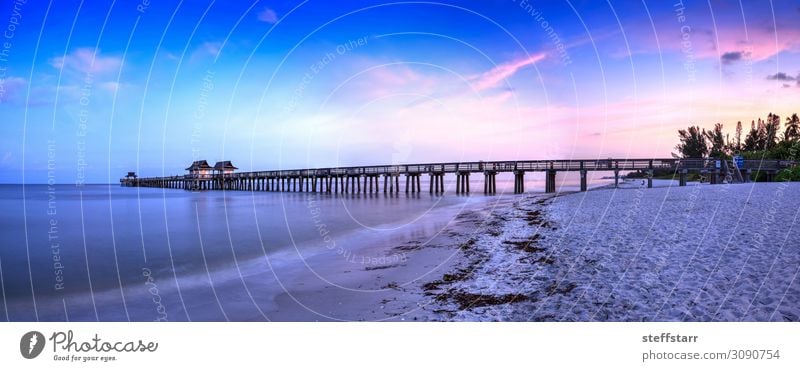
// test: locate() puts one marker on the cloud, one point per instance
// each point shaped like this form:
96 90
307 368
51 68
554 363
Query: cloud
395 75
268 15
417 104
80 69
756 43
479 127
730 57
765 34
497 75
376 80
781 76
367 78
11 87
110 86
85 61
206 49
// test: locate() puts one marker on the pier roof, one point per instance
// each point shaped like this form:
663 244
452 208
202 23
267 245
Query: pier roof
199 165
224 165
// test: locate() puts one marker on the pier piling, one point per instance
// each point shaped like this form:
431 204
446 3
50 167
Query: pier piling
584 182
550 182
489 183
519 181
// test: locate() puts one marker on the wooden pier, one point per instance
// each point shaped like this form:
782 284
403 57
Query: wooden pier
386 178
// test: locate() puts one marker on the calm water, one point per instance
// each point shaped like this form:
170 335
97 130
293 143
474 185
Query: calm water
110 253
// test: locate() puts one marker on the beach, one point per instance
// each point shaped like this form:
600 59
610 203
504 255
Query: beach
695 253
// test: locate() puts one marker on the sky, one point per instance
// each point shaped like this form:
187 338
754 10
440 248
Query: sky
92 89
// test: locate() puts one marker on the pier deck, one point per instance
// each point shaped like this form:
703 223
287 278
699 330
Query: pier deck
366 179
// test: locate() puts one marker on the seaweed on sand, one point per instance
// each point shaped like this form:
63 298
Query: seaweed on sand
529 245
468 245
467 300
535 217
556 288
460 275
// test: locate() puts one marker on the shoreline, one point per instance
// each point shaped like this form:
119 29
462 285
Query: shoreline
420 288
381 292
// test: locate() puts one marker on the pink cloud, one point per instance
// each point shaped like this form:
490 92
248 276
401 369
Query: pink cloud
87 60
758 43
729 39
268 15
648 126
497 75
379 80
418 105
369 79
415 117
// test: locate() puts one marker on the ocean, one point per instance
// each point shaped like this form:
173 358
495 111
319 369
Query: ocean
111 253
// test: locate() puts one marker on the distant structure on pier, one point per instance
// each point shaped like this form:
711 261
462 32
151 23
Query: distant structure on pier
368 179
224 167
200 168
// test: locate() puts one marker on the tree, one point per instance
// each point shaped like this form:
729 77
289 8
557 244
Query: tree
738 136
717 141
729 147
792 131
762 135
692 143
753 139
772 126
763 140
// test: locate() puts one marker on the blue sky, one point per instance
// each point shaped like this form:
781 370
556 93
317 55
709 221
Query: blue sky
98 88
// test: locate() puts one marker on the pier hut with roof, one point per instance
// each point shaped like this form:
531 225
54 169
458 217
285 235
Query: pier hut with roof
200 169
223 170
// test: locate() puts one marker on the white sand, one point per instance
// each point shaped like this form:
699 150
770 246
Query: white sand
695 253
